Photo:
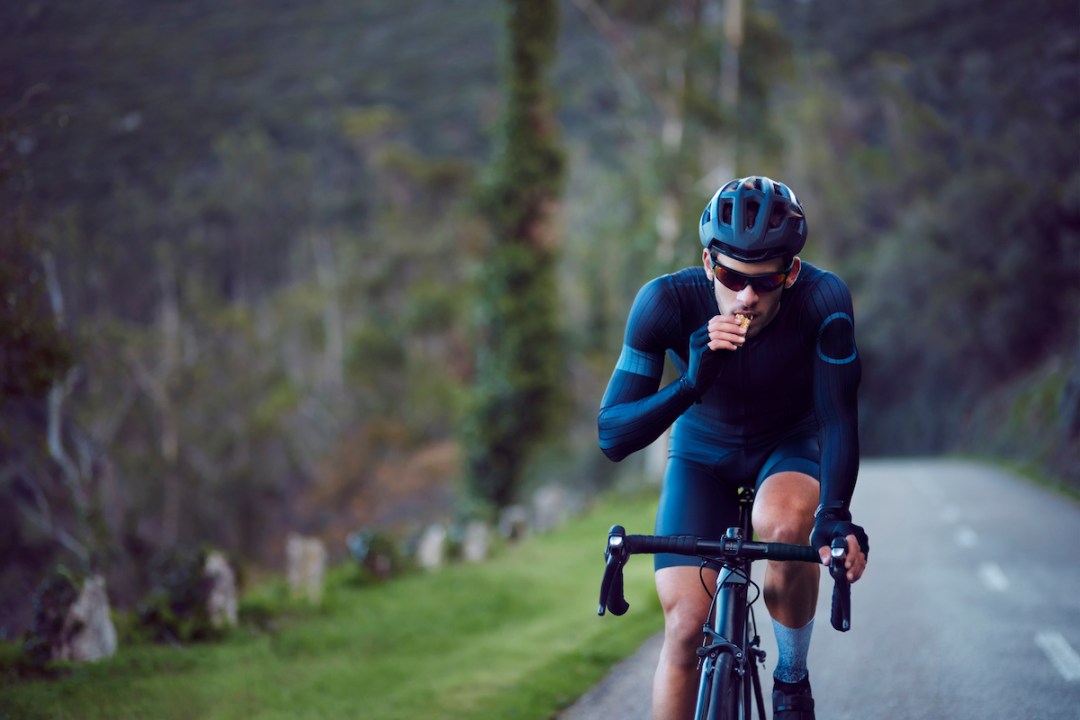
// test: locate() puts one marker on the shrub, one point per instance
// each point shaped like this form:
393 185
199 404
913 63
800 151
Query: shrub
175 611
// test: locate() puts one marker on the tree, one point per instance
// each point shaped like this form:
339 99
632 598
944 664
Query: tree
938 145
516 391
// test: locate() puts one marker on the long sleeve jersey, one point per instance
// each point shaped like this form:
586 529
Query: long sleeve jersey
802 368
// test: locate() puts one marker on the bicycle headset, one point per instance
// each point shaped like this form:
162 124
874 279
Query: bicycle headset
754 219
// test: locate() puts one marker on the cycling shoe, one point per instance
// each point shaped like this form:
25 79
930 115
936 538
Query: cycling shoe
792 701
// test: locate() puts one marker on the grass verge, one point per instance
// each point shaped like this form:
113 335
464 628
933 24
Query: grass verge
516 637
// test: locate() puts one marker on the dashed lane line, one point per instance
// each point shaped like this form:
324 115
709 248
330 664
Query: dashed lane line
965 537
1061 654
993 577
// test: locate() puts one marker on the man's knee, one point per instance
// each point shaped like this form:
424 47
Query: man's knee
785 529
784 509
682 625
686 605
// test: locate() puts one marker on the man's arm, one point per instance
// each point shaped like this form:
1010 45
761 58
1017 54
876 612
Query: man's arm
837 373
635 411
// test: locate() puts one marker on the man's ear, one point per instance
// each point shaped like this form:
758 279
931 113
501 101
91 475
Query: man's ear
796 266
707 261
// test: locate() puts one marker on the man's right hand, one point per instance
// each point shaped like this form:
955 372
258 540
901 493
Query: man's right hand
725 333
704 362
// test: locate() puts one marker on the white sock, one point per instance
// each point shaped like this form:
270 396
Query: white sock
793 645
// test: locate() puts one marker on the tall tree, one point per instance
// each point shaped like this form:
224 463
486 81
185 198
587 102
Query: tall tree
516 392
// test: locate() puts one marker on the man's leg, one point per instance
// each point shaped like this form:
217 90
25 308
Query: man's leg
686 605
784 512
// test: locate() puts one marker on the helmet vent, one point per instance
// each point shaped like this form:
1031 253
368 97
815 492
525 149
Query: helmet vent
752 209
725 212
776 217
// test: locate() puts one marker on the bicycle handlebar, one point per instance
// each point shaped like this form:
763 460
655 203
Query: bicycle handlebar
621 546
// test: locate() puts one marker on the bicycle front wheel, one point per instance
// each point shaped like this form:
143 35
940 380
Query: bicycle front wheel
721 691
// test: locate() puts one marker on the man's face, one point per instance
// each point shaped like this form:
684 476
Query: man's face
759 305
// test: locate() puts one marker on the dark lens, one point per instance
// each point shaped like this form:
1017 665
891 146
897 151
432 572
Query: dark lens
729 278
767 283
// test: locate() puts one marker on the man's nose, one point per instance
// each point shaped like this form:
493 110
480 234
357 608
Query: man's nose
747 296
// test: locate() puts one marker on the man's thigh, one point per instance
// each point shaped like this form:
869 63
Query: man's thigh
694 500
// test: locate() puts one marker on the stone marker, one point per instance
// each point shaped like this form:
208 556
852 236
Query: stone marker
477 542
552 506
305 567
221 601
514 522
431 548
89 633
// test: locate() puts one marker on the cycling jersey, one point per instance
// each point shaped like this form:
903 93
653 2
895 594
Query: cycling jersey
799 374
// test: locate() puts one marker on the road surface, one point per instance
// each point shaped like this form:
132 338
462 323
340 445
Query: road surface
970 606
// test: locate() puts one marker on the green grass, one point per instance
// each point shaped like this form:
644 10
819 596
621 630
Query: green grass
515 637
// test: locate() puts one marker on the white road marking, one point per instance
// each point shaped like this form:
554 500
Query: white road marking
966 537
930 491
1061 654
993 577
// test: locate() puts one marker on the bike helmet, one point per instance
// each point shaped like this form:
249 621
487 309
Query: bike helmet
754 219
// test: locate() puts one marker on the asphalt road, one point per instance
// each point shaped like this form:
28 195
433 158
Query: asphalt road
970 607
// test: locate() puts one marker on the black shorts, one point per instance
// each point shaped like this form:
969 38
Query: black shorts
700 498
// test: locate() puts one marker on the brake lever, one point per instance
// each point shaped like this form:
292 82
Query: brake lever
841 598
611 588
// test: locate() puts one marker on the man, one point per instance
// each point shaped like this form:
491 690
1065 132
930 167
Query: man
770 404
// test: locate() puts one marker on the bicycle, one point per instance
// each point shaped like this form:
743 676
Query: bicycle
730 651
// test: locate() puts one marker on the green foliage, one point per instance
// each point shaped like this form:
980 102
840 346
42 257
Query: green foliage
378 555
519 356
946 192
176 609
516 398
34 353
53 598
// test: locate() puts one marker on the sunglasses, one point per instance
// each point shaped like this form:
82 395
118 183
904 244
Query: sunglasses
736 281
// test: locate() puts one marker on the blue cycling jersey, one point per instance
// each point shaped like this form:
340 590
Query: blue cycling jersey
801 372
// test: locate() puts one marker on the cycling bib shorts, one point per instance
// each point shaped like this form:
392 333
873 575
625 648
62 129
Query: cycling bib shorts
699 495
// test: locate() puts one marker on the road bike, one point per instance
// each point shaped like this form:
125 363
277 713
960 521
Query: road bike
730 651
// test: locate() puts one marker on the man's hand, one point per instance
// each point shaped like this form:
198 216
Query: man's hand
836 522
703 363
725 333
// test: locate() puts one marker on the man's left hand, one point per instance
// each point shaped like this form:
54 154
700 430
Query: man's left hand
837 523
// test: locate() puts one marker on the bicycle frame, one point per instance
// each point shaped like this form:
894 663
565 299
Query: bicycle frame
729 632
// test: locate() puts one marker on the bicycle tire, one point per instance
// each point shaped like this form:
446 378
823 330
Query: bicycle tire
723 694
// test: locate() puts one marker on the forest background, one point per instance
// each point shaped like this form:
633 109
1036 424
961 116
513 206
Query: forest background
244 246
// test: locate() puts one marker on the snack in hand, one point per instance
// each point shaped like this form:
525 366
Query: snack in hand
744 322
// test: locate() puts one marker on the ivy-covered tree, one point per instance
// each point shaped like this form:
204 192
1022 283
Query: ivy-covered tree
516 391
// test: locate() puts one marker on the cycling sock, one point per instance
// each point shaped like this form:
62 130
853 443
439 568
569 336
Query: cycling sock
793 645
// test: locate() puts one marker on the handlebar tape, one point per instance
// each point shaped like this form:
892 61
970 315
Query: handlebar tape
690 545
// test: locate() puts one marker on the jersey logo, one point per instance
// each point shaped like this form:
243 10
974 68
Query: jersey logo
837 339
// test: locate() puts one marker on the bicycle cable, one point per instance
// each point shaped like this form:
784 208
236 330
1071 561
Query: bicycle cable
701 576
734 571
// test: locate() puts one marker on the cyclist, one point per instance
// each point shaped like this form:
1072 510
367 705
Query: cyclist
771 404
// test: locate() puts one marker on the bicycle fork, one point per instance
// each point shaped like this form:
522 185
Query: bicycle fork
729 616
